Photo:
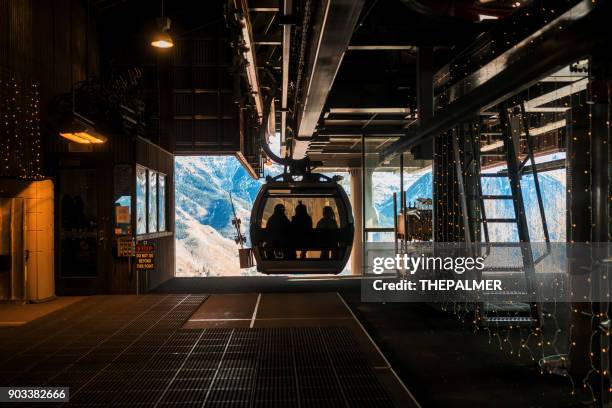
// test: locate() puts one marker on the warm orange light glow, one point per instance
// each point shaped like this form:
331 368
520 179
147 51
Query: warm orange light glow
92 137
83 137
81 130
162 40
162 44
74 137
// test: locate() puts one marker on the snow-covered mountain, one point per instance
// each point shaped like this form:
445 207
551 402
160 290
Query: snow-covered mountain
553 188
553 192
384 184
204 233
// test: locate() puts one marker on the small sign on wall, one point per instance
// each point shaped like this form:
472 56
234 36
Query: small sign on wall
145 255
122 214
125 247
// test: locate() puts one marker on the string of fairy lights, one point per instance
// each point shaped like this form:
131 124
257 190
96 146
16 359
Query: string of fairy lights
543 344
20 144
548 339
599 341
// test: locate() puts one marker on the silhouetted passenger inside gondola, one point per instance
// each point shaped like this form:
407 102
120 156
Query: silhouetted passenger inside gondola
301 228
328 221
278 228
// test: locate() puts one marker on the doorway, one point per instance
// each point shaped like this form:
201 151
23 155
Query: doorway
80 235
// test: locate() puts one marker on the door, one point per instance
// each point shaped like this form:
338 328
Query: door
81 232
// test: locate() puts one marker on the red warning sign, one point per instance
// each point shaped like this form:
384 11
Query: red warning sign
145 255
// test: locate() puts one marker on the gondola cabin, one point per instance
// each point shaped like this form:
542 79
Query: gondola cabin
302 226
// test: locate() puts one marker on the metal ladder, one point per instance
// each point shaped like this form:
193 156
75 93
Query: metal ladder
472 202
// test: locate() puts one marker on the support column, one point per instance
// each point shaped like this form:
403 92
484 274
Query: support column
425 85
425 99
357 204
588 209
371 217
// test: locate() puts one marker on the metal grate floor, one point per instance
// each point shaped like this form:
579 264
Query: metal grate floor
127 351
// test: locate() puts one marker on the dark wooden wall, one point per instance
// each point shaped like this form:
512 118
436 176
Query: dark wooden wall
156 158
205 114
52 44
188 89
116 275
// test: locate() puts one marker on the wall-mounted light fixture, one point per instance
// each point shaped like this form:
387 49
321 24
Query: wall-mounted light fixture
82 130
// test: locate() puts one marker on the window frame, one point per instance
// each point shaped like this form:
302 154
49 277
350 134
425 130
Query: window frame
159 208
137 231
152 208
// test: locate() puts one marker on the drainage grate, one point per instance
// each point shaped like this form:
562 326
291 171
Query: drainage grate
127 351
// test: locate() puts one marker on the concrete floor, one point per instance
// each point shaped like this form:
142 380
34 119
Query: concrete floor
18 314
445 363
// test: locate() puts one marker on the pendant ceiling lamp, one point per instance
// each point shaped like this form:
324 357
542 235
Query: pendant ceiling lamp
162 39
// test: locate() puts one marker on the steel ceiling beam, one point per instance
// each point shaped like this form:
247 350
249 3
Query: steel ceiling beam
287 11
557 94
267 42
263 9
336 22
382 47
564 40
358 131
263 5
382 111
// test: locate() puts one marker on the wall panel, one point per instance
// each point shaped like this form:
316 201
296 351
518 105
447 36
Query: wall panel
48 43
158 159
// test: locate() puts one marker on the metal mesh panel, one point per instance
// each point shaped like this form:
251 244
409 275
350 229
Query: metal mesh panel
131 351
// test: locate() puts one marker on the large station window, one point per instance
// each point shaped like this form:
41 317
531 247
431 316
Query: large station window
150 201
204 233
383 184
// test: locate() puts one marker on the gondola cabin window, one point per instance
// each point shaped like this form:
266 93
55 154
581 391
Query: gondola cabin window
303 215
150 201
